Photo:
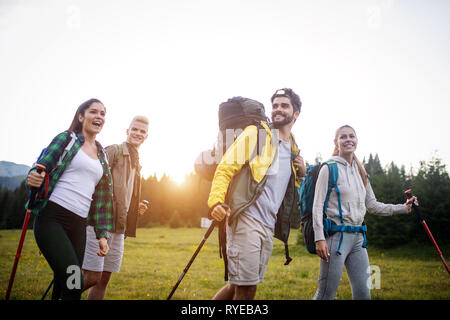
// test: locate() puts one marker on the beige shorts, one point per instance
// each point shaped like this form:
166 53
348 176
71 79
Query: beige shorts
112 261
249 246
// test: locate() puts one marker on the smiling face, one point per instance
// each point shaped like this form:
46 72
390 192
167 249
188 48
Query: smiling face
93 119
346 141
137 133
283 112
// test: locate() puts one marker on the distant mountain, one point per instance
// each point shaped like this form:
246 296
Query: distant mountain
11 169
12 174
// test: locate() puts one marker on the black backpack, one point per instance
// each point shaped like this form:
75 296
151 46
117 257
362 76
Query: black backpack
234 116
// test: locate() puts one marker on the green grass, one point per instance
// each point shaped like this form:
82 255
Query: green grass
155 259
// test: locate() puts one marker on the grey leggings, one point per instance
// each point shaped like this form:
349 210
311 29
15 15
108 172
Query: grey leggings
356 262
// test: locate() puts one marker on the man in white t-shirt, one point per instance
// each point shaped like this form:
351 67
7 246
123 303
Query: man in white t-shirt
253 225
125 169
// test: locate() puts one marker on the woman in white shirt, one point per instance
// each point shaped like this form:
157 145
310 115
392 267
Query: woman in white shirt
79 192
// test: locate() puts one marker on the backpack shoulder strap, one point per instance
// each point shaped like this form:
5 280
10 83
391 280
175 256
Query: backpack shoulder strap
261 135
118 153
332 184
69 145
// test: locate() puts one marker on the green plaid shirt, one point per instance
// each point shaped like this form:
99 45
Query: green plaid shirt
101 211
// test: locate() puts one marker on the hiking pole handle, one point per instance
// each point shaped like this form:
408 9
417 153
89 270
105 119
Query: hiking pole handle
34 190
415 207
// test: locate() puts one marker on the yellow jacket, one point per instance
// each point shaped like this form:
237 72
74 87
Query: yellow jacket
240 178
242 154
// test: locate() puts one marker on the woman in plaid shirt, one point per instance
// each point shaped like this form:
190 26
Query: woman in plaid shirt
79 192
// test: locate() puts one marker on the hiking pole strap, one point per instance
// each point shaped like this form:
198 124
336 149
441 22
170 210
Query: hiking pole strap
415 207
286 253
223 245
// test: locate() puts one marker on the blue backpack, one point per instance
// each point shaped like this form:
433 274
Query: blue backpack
68 145
306 201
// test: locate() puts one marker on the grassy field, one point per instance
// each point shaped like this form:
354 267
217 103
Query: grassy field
155 259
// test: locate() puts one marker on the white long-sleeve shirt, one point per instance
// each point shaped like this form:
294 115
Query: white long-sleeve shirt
355 198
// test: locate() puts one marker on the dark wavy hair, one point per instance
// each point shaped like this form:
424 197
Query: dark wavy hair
76 125
288 93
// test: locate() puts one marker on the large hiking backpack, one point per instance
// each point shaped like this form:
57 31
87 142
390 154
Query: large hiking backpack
234 116
306 201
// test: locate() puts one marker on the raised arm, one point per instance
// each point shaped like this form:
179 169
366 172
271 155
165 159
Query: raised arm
382 209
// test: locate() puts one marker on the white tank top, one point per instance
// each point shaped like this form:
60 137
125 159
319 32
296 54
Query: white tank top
75 187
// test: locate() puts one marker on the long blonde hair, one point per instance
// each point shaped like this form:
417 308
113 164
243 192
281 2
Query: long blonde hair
361 169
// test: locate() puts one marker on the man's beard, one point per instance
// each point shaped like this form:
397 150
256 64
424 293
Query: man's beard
285 121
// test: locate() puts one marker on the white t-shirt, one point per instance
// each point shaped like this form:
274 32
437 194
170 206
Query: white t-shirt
75 187
266 207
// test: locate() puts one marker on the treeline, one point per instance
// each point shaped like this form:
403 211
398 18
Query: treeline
182 205
431 184
173 204
12 207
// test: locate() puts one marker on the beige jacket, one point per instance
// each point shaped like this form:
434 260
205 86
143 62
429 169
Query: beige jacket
124 186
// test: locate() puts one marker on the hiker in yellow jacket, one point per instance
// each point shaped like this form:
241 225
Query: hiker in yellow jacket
260 193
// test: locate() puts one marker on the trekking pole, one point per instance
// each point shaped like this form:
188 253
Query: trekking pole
424 224
48 289
211 228
40 168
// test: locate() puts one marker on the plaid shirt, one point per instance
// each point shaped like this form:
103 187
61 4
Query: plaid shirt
101 210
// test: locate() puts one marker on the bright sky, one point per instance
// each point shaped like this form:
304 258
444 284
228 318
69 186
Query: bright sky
381 66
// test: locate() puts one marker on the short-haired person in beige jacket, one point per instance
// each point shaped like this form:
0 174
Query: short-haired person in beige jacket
125 169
